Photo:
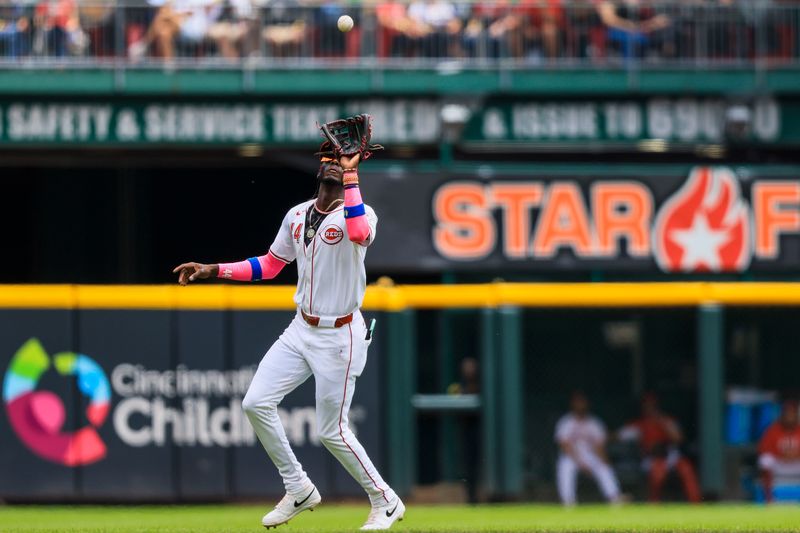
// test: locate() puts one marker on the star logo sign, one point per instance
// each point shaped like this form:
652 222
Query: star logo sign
704 226
701 244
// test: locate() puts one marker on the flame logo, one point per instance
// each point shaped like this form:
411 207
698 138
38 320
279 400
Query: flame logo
704 226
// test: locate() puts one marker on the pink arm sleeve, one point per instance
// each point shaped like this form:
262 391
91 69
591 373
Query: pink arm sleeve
357 227
243 270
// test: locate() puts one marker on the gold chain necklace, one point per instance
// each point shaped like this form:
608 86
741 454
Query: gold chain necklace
313 222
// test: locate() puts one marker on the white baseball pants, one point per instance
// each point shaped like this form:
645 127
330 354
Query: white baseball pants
335 357
780 468
567 473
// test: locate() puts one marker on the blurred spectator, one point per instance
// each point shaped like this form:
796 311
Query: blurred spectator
779 450
537 29
328 40
581 439
584 33
633 27
98 21
660 438
185 21
399 34
776 27
15 29
58 29
470 426
285 27
488 29
236 31
438 23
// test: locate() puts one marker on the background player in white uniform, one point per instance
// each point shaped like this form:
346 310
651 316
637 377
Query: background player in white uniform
581 438
328 338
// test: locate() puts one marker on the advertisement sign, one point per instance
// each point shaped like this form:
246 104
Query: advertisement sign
707 220
676 119
494 122
404 121
147 406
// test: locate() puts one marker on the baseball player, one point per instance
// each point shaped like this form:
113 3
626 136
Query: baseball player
779 449
328 236
581 438
660 437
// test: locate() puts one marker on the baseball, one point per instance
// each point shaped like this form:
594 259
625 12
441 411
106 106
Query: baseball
345 23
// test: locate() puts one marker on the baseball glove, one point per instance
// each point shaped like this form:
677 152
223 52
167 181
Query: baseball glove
348 137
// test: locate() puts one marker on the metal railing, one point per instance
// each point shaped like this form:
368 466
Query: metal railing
526 33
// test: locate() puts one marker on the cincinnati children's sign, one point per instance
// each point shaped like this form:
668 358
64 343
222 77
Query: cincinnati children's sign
143 407
707 224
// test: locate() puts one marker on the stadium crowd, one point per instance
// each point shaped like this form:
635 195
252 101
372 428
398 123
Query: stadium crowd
529 30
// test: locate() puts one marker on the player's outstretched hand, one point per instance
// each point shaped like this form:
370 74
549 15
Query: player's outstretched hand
193 271
349 161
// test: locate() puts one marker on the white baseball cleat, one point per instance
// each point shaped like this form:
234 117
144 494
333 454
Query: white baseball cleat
384 516
291 506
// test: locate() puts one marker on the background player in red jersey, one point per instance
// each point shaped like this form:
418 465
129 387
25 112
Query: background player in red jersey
660 436
779 449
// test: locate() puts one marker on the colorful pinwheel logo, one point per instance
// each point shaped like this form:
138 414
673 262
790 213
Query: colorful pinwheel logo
38 416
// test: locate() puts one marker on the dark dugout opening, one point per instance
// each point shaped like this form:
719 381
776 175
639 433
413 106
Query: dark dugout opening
103 216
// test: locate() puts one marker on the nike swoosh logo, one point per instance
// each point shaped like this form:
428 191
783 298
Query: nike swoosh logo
298 504
390 513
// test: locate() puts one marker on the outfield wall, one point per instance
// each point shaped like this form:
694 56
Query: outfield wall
154 413
161 419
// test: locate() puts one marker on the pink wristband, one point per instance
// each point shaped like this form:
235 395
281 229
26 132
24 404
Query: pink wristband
357 226
239 271
266 267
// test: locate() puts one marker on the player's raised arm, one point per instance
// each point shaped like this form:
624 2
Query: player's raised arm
355 214
349 141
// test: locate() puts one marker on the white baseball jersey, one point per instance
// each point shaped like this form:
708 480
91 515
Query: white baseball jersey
584 434
331 279
331 283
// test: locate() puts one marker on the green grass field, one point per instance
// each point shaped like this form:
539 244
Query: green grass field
332 517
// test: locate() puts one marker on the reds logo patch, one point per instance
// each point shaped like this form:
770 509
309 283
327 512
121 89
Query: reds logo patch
332 234
704 226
